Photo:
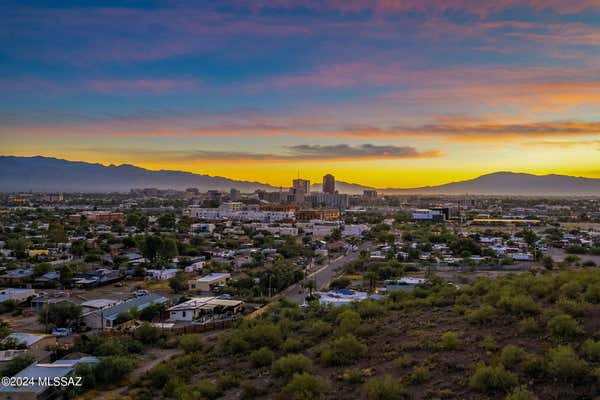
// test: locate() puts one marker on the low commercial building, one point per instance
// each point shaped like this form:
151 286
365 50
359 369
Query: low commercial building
204 307
428 215
322 214
209 282
98 216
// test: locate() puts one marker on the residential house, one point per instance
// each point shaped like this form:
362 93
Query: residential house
199 307
104 318
209 282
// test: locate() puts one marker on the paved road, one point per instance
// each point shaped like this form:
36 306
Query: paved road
323 276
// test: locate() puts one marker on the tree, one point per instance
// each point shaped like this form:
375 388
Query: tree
61 314
66 275
42 268
147 333
548 262
168 248
4 329
56 232
151 246
152 311
167 221
336 234
311 285
78 248
178 283
371 278
17 364
183 226
19 245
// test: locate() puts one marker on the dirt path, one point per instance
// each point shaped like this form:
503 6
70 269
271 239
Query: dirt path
152 359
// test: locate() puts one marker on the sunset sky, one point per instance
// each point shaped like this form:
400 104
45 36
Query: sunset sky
387 93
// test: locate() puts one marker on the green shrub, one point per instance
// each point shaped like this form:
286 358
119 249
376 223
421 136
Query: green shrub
521 393
529 326
404 361
533 366
234 344
17 364
448 341
205 389
250 390
305 386
261 357
491 380
592 293
591 349
571 289
228 380
520 305
292 345
489 343
370 309
147 333
511 355
383 388
563 326
572 307
287 366
483 315
419 374
348 321
353 376
263 334
563 363
190 343
345 350
112 369
160 375
319 328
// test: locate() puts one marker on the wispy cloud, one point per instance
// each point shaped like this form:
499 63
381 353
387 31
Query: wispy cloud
303 153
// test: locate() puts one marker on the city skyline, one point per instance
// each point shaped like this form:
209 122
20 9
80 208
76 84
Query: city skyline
381 93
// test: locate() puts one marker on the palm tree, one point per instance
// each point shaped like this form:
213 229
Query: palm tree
311 285
371 277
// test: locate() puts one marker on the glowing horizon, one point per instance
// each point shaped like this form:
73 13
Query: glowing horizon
381 93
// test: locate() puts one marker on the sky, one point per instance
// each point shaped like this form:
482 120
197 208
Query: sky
386 93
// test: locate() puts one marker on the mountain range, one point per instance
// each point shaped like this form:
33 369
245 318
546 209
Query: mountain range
45 174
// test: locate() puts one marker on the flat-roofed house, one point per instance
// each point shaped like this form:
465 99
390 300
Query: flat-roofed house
34 373
199 307
209 282
17 295
33 341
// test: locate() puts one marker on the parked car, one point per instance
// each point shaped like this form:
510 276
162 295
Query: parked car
62 331
140 293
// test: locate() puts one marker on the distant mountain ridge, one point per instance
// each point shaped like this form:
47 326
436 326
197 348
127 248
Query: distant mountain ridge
45 174
512 183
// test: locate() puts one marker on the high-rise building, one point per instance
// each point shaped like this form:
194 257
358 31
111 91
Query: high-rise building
329 184
301 185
